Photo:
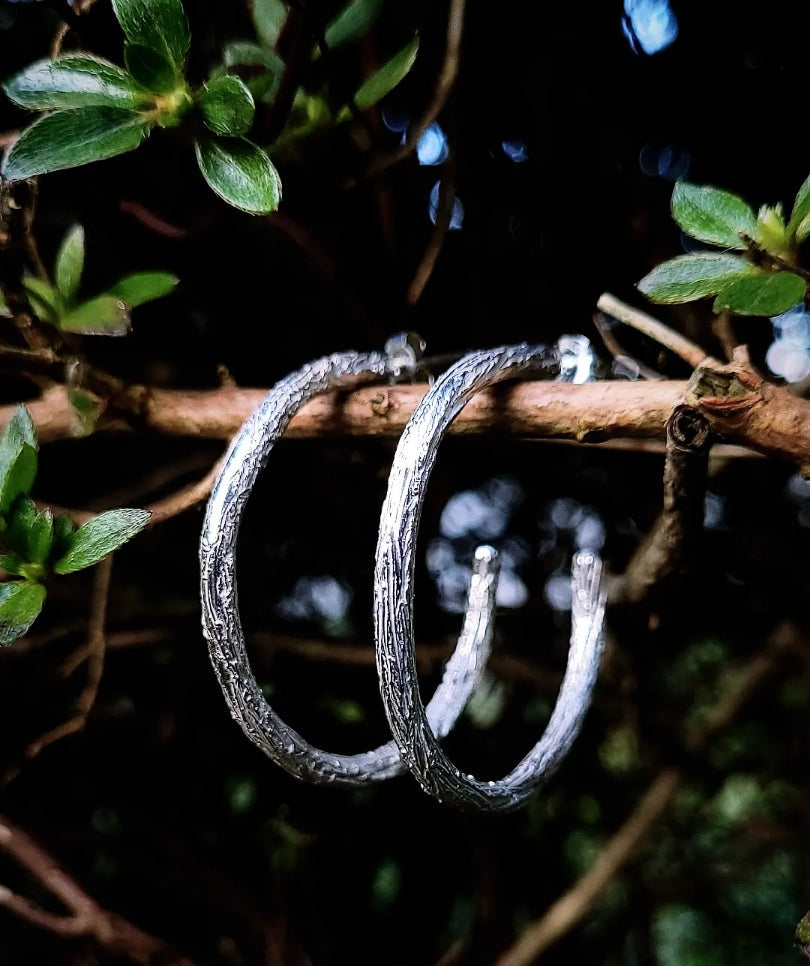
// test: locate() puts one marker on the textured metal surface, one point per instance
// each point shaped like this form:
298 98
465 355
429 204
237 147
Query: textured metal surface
393 601
221 623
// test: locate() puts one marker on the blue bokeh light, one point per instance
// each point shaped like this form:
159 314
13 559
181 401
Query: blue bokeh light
649 25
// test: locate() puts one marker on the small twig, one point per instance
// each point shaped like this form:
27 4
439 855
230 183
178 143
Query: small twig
444 85
612 345
444 211
87 917
668 544
184 498
571 907
689 351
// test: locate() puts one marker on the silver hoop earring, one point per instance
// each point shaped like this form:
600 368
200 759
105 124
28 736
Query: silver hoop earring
220 612
393 600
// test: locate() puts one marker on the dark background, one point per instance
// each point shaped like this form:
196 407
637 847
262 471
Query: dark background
161 808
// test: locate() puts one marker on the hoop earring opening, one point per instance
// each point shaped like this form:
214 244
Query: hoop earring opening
393 601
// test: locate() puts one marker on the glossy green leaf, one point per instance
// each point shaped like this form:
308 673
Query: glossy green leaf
159 24
240 173
150 68
387 77
44 298
143 287
713 216
66 139
761 293
67 273
352 22
690 277
801 208
104 315
20 604
227 105
269 17
73 80
18 470
87 409
98 537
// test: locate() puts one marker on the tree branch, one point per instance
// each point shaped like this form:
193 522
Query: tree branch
87 917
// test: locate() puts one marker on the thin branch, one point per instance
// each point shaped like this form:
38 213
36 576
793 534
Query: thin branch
444 211
93 653
87 917
573 905
668 544
444 85
688 351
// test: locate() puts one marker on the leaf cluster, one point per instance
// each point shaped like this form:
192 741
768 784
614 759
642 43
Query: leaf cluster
105 314
34 543
262 67
98 109
763 279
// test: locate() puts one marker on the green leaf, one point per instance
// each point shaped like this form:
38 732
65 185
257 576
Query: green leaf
11 563
240 173
67 271
20 604
262 84
73 80
803 229
159 24
771 233
66 139
18 470
103 315
713 216
690 277
98 537
761 293
801 208
63 527
5 312
44 299
352 22
18 458
150 68
269 17
227 105
30 533
20 429
143 287
87 409
387 77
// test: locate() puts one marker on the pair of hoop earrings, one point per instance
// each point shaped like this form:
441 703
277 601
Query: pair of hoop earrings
417 730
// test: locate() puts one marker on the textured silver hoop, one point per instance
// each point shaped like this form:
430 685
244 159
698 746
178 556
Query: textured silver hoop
221 623
393 601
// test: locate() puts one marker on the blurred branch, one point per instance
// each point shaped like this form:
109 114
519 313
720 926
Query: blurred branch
87 917
688 351
571 907
667 545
